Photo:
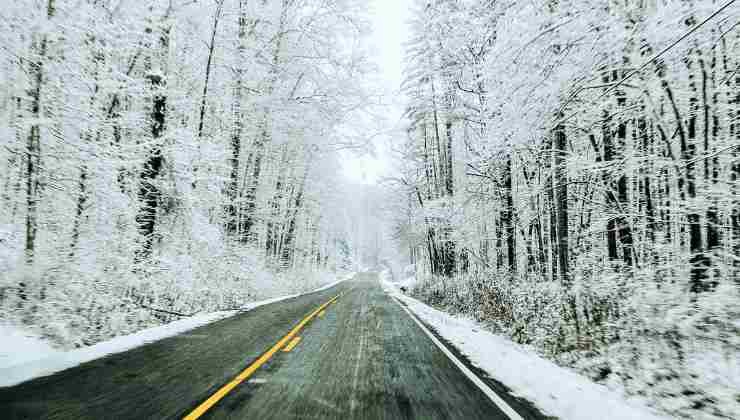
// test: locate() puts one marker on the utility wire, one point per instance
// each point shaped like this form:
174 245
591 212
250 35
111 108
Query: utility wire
655 57
694 29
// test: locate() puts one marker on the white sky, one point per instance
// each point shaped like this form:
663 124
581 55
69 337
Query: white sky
389 33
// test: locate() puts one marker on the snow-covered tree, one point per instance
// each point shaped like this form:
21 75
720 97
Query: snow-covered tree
162 159
593 150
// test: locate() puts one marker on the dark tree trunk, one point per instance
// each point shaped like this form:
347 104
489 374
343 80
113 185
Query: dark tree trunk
149 193
611 224
734 131
623 225
81 202
232 189
561 199
645 138
249 198
535 227
113 115
438 165
710 176
33 143
553 242
286 247
687 136
204 95
449 252
507 218
211 48
449 179
271 229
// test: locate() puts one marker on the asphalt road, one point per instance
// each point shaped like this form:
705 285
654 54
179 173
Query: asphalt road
363 357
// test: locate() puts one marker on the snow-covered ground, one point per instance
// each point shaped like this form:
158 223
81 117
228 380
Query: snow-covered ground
555 390
24 355
20 346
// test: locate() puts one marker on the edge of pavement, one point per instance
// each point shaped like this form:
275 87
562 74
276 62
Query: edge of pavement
522 407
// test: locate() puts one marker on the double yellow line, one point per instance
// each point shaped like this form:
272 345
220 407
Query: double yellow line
246 373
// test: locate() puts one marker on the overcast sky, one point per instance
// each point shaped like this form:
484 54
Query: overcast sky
389 33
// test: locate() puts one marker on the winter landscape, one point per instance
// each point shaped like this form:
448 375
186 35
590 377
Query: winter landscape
413 209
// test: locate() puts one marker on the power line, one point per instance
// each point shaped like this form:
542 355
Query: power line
658 55
694 29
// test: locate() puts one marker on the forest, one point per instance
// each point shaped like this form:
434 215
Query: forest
564 172
178 157
570 176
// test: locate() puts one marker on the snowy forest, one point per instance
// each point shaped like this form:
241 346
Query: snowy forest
570 175
178 157
564 172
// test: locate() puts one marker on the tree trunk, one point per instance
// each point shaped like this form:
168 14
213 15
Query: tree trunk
149 193
507 217
561 199
449 179
687 136
211 48
263 138
81 202
33 143
623 224
287 244
710 173
233 227
553 242
612 223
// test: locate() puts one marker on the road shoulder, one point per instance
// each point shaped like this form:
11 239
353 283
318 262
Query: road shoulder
525 379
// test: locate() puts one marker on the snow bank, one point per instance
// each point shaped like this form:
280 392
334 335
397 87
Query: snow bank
555 390
20 346
29 356
64 360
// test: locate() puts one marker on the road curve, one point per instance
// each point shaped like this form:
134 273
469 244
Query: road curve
361 357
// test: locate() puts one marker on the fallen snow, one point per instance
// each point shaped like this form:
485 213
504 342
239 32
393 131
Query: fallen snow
64 360
555 390
20 346
25 356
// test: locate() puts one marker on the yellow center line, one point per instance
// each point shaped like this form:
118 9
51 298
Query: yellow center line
293 343
246 373
321 314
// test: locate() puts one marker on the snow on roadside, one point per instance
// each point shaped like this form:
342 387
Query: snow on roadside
20 346
555 390
26 356
63 360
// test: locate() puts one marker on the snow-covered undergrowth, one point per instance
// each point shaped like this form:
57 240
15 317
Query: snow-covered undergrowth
103 294
25 355
680 356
